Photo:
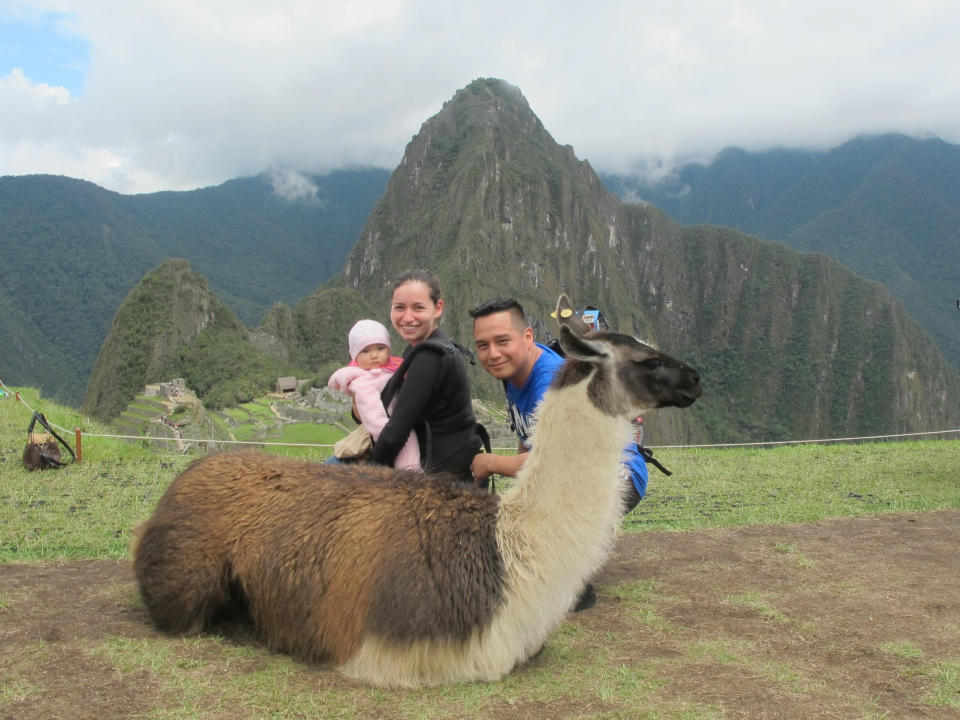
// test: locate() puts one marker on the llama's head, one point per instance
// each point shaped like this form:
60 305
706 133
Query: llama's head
626 377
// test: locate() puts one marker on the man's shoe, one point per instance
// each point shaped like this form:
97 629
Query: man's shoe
587 599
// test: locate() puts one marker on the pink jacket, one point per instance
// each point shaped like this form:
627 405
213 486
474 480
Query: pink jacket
365 387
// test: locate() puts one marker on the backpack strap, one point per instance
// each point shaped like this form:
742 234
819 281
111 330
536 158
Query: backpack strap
468 355
484 437
648 456
394 384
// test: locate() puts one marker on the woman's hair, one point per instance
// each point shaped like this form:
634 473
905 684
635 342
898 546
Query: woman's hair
424 276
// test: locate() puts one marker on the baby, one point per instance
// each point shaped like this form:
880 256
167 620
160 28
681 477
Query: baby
371 365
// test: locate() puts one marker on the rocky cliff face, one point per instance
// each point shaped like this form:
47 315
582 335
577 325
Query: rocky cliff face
790 345
484 193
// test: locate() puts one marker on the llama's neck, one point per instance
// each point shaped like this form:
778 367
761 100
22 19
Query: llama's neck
569 489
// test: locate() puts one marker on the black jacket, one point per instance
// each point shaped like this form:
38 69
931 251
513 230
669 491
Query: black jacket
433 399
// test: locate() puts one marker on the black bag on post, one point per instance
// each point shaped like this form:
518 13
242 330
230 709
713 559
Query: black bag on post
42 451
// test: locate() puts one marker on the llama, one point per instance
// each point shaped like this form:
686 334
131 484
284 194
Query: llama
401 579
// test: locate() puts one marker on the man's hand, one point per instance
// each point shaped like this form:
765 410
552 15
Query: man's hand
482 466
486 464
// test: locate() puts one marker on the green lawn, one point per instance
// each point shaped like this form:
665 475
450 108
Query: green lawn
87 510
803 483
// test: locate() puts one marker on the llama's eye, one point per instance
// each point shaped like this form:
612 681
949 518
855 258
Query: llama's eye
652 363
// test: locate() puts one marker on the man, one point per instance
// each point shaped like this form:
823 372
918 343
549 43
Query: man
506 349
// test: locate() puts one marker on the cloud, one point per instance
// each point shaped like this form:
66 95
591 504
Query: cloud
16 90
292 185
180 94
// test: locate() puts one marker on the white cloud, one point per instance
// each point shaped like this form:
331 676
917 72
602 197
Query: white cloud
15 88
180 94
291 184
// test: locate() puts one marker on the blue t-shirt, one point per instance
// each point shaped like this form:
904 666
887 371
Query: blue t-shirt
522 402
633 461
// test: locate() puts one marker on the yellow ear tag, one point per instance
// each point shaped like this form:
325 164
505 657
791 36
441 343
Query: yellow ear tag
565 313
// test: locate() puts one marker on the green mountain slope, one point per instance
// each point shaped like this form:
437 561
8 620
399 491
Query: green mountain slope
313 334
70 254
171 325
888 207
29 355
71 251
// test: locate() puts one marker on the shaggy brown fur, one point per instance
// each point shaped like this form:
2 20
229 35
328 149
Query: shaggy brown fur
322 554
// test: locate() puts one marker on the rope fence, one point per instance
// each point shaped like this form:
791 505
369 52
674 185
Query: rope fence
78 434
820 441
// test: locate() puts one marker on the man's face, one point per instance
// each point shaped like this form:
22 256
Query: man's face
504 350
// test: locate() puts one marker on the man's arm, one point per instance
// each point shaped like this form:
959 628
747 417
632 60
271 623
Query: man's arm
486 464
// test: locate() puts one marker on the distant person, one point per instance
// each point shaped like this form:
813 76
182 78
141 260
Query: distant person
507 350
371 366
430 388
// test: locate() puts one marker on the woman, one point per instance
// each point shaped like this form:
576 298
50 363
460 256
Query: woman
431 387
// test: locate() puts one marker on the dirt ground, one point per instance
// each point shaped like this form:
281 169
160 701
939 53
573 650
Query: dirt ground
863 614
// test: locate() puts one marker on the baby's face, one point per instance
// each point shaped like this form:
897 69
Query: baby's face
373 356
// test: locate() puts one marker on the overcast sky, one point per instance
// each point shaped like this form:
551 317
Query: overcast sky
146 95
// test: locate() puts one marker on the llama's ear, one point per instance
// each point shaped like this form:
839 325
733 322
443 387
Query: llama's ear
578 347
572 331
567 316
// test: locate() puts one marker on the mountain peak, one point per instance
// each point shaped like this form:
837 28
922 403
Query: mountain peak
476 115
489 101
482 184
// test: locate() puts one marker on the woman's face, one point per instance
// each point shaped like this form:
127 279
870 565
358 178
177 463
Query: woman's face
413 313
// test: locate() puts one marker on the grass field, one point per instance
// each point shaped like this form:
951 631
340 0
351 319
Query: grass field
87 510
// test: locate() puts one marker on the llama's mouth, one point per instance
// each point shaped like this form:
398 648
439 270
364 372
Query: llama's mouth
682 399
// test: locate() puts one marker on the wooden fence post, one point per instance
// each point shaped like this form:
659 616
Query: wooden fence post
79 444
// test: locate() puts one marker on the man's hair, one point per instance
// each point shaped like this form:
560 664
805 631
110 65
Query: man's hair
489 307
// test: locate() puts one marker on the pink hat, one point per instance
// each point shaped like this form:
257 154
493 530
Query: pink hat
365 333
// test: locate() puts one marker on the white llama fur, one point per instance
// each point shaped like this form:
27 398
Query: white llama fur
555 529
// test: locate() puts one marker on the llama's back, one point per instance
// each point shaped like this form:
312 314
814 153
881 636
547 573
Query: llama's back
324 555
184 553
